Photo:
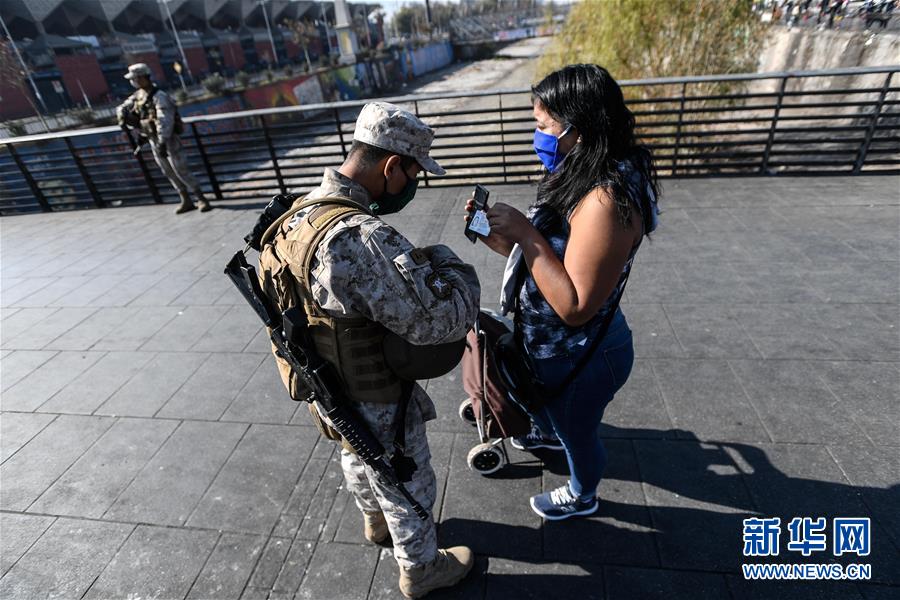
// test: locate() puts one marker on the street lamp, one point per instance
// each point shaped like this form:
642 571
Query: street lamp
177 39
262 5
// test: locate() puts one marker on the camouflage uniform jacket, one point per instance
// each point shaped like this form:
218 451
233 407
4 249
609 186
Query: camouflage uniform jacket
366 268
159 121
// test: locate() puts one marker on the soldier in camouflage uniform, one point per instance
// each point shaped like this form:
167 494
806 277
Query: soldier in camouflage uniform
154 112
365 268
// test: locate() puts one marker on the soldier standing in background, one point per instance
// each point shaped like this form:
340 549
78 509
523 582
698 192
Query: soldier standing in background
358 280
154 113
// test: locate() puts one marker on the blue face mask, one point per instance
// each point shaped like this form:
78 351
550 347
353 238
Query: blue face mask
547 148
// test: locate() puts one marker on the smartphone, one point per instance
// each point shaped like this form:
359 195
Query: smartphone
477 223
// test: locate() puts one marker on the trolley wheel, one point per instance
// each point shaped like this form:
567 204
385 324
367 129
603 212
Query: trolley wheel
485 459
467 412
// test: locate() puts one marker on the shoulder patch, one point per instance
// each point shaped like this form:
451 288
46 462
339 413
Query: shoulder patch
439 286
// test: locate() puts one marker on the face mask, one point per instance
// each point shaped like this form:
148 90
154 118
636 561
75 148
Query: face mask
547 148
390 203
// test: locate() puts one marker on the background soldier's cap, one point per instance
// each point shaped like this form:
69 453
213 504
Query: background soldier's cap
138 69
390 127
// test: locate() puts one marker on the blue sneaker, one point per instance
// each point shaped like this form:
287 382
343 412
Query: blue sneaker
561 503
534 440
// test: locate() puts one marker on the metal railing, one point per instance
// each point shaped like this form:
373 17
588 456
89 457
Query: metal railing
809 122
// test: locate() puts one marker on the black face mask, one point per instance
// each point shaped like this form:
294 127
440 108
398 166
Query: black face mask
390 203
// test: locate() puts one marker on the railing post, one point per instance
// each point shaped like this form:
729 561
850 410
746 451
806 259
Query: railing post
42 200
778 103
424 172
678 129
502 138
95 195
870 132
154 191
265 128
340 132
209 171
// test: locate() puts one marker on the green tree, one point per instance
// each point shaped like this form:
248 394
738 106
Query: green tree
651 38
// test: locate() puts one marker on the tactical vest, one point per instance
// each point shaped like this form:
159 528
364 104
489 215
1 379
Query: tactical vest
352 345
147 118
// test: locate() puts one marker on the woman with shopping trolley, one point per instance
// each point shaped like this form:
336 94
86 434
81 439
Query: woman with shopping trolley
567 263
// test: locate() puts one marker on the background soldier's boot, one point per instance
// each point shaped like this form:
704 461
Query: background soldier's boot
449 568
185 205
376 529
202 202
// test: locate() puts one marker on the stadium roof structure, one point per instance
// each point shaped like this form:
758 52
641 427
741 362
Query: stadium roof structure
28 19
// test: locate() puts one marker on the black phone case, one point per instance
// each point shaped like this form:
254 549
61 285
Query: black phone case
481 198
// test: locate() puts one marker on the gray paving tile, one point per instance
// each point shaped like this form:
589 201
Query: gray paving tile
638 409
228 568
252 488
20 531
94 328
22 320
155 562
25 288
264 398
794 406
270 563
41 384
96 287
232 332
339 572
705 398
168 488
212 387
207 289
624 583
65 560
185 329
294 568
58 287
509 579
145 393
742 589
128 290
17 429
17 364
710 331
90 486
138 329
166 290
48 329
328 497
97 383
508 529
652 332
873 471
868 392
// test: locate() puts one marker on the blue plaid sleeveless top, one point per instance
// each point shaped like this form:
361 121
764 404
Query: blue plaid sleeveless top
542 331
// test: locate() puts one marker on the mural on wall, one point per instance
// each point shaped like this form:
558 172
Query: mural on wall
289 92
347 83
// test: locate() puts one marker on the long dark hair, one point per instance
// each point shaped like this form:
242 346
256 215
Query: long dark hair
587 97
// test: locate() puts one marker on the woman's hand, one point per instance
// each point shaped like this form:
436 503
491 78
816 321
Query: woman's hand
495 241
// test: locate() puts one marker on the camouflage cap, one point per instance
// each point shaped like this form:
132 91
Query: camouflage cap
390 127
138 69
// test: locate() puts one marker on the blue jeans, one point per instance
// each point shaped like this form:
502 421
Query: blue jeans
574 415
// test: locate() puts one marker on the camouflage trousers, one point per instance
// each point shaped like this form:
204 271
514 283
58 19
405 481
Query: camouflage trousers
174 166
415 540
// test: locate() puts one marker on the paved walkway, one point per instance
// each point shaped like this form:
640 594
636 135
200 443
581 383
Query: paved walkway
149 450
